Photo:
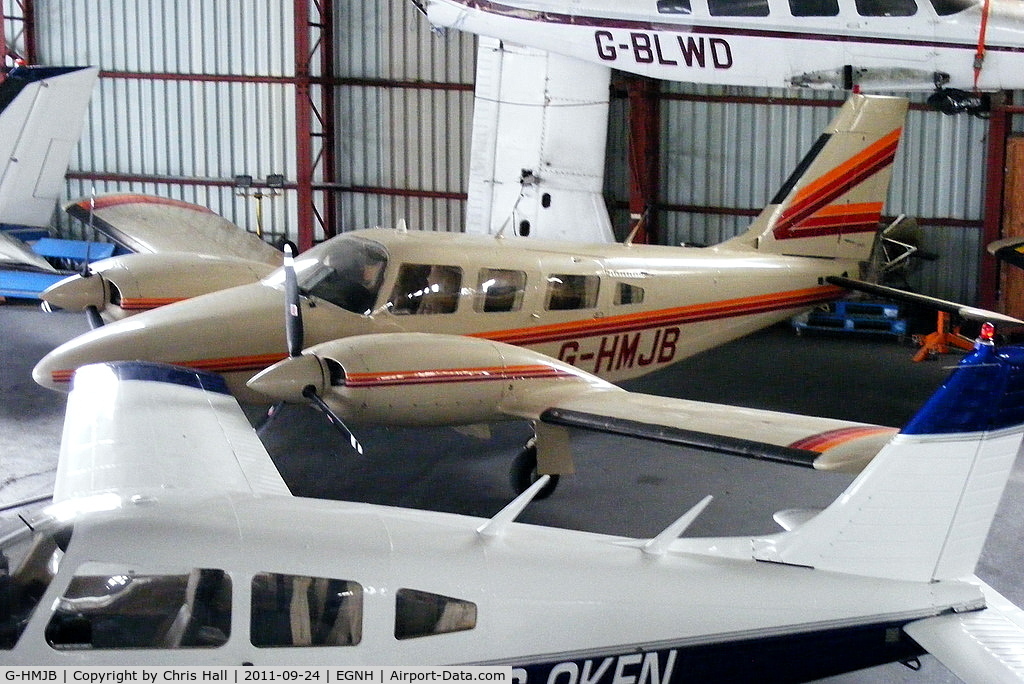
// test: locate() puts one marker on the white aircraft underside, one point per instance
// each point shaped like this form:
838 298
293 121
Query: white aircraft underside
886 45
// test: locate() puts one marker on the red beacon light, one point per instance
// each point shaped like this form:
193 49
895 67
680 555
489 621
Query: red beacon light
987 334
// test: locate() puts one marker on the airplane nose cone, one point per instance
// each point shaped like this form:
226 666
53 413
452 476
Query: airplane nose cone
75 293
285 380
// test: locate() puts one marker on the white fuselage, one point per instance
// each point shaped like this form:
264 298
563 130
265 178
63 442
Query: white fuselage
539 596
889 45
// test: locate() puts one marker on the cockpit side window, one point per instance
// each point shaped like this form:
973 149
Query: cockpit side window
814 8
104 609
426 289
628 294
886 8
346 272
421 613
499 290
567 292
296 610
674 7
738 8
944 8
28 563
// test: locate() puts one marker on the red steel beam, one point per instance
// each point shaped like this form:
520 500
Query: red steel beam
992 219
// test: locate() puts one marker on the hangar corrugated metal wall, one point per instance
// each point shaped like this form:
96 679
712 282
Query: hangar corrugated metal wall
194 93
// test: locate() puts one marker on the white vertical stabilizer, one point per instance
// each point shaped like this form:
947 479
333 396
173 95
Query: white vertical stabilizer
922 508
42 110
540 127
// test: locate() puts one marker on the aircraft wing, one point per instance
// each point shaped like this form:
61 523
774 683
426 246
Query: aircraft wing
15 253
962 310
150 224
982 647
820 443
134 427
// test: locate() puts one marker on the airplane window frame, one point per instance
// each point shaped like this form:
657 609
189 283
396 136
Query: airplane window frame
348 272
814 8
946 8
330 624
739 8
414 293
636 294
580 291
879 8
421 613
184 609
493 297
680 7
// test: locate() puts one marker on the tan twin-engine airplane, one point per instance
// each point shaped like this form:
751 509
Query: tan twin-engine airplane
615 311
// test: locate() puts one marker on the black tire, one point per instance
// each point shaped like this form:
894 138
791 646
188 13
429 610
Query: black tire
524 472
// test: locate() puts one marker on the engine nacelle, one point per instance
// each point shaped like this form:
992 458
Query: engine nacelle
124 285
419 379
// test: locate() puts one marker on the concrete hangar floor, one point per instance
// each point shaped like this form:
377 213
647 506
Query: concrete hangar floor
621 486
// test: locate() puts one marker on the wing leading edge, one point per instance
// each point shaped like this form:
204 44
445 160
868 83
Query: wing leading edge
808 441
133 427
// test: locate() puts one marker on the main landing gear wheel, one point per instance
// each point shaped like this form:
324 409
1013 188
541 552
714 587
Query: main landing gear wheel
524 472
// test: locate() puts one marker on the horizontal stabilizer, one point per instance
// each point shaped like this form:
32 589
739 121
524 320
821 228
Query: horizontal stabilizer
1010 250
135 427
980 647
963 311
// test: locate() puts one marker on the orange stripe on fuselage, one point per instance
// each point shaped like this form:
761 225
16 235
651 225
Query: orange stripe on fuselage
648 320
450 375
147 303
824 441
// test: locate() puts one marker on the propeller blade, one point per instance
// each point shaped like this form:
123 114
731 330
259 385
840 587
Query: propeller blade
293 311
311 394
92 314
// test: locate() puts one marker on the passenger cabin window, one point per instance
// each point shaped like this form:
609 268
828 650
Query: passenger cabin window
346 272
738 8
567 292
946 7
674 7
499 290
296 610
420 614
29 560
886 8
426 289
105 609
628 294
814 8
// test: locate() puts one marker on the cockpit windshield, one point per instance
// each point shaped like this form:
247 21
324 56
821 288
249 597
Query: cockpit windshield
28 563
346 271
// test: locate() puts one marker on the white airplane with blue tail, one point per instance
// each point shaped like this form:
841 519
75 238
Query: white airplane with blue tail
173 539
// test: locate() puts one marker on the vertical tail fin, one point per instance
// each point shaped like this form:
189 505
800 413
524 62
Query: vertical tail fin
832 203
540 123
42 110
922 508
